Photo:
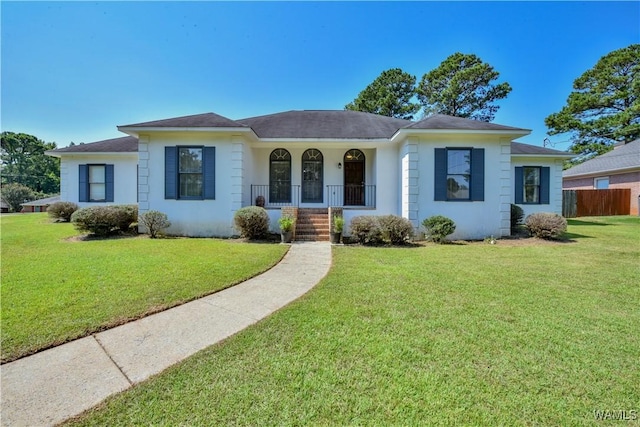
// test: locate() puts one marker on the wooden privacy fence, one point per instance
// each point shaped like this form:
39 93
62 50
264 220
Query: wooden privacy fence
577 203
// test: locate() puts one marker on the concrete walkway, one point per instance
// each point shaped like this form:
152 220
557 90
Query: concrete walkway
54 385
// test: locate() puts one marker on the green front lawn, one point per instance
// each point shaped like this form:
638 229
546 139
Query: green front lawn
477 334
55 289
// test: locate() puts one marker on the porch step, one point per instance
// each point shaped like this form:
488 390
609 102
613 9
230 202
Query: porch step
312 224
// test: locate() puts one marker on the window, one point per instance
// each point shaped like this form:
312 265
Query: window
95 183
459 174
280 176
189 173
601 183
532 185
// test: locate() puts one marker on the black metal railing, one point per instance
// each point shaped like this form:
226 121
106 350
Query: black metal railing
352 195
275 195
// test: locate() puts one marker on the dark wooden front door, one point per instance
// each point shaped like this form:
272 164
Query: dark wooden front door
312 176
354 178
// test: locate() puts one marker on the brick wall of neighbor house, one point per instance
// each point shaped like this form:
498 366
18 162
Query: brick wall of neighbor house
624 180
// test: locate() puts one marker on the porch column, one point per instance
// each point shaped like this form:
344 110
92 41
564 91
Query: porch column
237 172
409 180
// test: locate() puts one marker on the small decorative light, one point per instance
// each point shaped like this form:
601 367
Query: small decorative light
339 165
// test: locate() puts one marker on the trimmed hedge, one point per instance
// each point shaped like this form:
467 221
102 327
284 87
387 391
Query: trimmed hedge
376 230
154 221
516 218
252 222
105 220
546 225
438 227
62 211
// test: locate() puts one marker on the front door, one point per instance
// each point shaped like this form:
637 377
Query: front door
354 178
312 176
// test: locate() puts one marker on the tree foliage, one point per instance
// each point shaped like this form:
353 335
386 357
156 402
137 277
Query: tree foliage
604 107
24 162
461 86
390 94
15 194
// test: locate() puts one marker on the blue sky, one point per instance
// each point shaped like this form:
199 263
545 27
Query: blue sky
73 71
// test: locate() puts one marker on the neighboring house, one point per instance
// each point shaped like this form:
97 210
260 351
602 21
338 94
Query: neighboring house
201 169
39 205
618 168
4 206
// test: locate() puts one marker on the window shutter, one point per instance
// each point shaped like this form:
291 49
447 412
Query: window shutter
108 181
518 185
170 172
545 181
83 183
209 172
440 178
477 174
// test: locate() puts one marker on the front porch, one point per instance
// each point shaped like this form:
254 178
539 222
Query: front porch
352 196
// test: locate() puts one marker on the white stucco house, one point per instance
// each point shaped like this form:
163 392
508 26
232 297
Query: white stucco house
200 169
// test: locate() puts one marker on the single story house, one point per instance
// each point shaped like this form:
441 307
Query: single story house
618 168
40 205
200 169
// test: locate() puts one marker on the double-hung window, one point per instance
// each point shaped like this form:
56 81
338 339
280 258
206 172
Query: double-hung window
459 174
189 173
95 183
532 185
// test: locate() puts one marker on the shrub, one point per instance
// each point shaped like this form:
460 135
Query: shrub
338 224
127 215
395 229
366 230
252 221
104 220
516 218
15 194
154 221
62 211
438 227
546 225
286 223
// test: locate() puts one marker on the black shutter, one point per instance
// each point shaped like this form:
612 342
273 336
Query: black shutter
545 181
170 172
209 172
108 181
518 185
477 174
83 183
440 178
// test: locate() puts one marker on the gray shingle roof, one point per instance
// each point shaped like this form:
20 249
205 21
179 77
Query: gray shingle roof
342 124
125 144
621 158
206 120
42 202
520 148
441 121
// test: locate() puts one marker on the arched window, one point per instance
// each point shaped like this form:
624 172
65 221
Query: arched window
354 191
280 176
312 176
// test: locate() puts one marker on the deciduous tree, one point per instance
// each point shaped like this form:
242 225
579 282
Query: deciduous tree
462 86
24 162
604 107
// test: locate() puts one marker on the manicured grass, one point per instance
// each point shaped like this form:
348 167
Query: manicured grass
477 334
54 290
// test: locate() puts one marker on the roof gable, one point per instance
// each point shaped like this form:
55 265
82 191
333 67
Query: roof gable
206 120
441 121
125 144
621 158
329 124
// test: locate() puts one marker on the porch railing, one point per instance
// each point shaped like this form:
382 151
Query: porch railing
352 195
357 196
276 196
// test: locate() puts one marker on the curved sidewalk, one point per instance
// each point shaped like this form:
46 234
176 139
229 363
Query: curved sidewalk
54 385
